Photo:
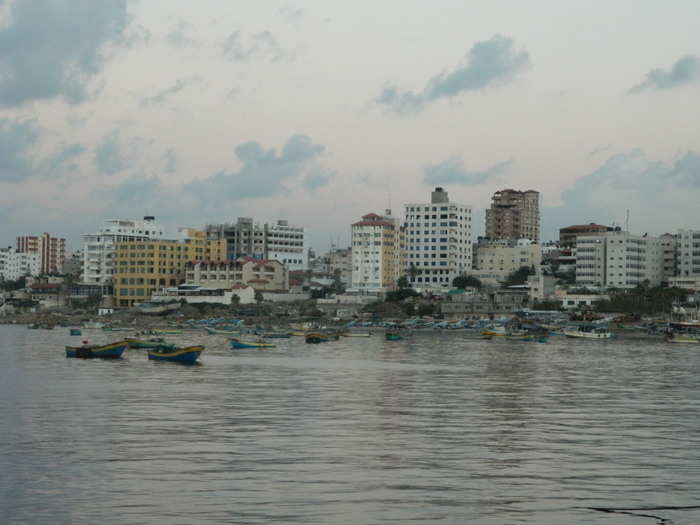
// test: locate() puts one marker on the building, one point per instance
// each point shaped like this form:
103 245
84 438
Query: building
514 215
378 252
51 250
503 257
260 274
669 245
340 263
279 241
438 240
618 259
142 267
15 264
98 248
567 240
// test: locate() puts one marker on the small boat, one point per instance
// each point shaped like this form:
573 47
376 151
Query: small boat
93 325
318 337
297 333
76 331
682 338
356 334
235 343
154 342
393 336
86 351
115 329
588 332
277 335
166 331
189 354
220 331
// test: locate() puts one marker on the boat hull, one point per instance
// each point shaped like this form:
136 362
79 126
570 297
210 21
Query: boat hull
393 337
587 335
187 355
241 344
215 331
111 351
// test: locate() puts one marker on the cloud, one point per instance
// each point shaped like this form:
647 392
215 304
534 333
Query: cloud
160 97
178 36
661 196
686 70
317 178
293 15
61 163
17 137
261 45
452 171
490 63
53 49
109 156
262 172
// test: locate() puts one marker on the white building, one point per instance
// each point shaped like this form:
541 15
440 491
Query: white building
98 248
378 253
619 259
14 264
285 243
438 240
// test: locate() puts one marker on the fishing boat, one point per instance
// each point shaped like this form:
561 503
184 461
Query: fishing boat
356 334
189 354
221 331
393 336
318 337
235 343
495 331
277 335
588 332
115 329
93 325
75 331
166 331
86 351
154 342
682 338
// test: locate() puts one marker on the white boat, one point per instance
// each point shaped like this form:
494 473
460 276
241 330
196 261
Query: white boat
588 332
93 325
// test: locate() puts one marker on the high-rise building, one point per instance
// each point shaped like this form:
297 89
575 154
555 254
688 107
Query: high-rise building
619 259
144 266
567 239
514 215
438 240
279 241
98 248
51 251
378 253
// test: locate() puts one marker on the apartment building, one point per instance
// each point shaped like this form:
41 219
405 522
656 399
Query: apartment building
142 267
514 215
51 251
378 252
15 264
619 259
498 259
279 241
438 240
98 248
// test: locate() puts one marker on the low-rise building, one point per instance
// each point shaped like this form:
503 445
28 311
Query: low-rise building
260 274
502 257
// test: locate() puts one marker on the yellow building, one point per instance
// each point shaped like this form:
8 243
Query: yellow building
143 267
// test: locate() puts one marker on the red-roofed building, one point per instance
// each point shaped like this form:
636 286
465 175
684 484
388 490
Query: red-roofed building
378 252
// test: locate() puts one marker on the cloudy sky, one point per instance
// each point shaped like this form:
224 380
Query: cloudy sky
320 111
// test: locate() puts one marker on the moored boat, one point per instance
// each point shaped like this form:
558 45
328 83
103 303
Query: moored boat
319 337
356 334
393 336
86 351
235 343
75 331
588 332
682 338
189 354
166 331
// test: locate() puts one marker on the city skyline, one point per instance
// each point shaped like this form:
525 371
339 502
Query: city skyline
184 112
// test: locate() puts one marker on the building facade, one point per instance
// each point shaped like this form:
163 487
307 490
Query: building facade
260 274
514 215
438 240
51 250
567 239
501 258
279 241
141 267
378 252
340 263
98 248
619 259
15 264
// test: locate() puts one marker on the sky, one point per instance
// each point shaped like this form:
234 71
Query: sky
321 111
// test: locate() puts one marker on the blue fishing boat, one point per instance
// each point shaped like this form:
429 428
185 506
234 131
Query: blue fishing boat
187 355
86 351
75 331
393 336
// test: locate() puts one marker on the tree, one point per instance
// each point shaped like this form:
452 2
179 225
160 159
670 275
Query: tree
259 297
518 276
403 282
466 281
